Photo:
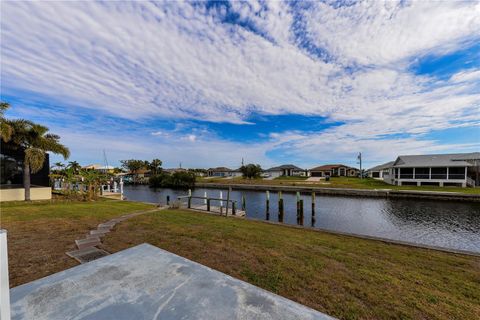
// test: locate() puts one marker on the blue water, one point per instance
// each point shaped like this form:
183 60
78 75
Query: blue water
454 225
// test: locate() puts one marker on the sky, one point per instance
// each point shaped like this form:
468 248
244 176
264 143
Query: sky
205 84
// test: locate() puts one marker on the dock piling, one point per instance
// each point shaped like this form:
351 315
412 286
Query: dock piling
313 209
208 204
243 202
228 201
280 207
301 212
168 200
298 207
267 205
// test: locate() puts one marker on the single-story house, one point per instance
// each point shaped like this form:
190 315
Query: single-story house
286 170
381 172
460 169
334 170
223 172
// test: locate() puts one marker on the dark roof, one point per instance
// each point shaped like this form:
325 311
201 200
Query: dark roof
436 160
382 166
285 166
330 167
220 169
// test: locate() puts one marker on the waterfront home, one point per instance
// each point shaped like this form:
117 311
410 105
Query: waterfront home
223 172
460 169
286 170
99 168
381 172
334 170
11 176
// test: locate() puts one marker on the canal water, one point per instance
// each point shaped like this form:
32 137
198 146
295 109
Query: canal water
454 225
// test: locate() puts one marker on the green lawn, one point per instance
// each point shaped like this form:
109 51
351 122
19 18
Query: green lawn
339 182
346 277
40 232
291 178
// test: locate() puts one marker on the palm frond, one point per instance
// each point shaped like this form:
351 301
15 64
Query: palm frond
35 158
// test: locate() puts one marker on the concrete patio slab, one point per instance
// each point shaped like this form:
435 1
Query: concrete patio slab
146 282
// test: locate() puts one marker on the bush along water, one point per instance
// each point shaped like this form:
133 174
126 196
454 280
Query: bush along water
177 180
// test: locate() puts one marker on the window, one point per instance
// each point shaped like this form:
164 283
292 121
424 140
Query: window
406 173
422 173
439 173
456 173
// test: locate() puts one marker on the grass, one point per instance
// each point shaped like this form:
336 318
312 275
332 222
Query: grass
343 276
40 232
339 182
291 178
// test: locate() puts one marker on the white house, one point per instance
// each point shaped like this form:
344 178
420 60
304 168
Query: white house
223 172
286 170
460 169
381 172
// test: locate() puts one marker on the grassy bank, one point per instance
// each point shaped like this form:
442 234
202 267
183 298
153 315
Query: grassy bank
39 233
337 182
346 277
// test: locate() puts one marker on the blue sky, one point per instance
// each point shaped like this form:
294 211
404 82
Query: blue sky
209 83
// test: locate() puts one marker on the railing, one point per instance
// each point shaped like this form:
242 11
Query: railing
208 201
470 182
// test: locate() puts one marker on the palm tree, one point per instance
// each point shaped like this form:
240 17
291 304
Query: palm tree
75 166
6 129
35 140
155 166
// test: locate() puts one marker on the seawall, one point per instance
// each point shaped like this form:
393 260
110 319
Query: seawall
379 193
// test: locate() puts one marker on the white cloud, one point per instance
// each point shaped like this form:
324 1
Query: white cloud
144 60
386 32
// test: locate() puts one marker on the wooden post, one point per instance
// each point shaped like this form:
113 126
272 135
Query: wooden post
234 211
298 207
267 205
221 203
243 202
313 208
228 200
301 212
168 200
280 207
208 204
205 195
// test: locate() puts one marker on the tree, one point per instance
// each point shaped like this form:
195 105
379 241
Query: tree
134 166
155 166
35 140
6 129
251 170
75 166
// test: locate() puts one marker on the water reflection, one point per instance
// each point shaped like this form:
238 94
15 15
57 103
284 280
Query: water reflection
439 223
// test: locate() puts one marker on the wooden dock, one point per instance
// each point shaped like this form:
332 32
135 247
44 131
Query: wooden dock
218 210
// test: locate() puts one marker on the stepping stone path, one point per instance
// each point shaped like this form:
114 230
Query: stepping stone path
87 247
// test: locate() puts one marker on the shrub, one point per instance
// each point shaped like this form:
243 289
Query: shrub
177 180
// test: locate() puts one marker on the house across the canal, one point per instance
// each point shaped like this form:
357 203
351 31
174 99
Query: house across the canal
381 172
461 169
286 170
334 170
223 172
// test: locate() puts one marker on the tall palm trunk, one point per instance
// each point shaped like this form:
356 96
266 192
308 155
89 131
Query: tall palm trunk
26 180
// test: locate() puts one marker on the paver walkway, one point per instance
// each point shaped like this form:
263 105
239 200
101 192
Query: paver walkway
87 247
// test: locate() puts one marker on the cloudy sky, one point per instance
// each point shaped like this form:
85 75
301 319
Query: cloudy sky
207 83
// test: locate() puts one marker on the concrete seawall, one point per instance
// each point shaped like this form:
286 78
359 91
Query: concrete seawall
378 193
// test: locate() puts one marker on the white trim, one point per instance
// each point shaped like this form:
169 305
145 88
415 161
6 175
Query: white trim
4 285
